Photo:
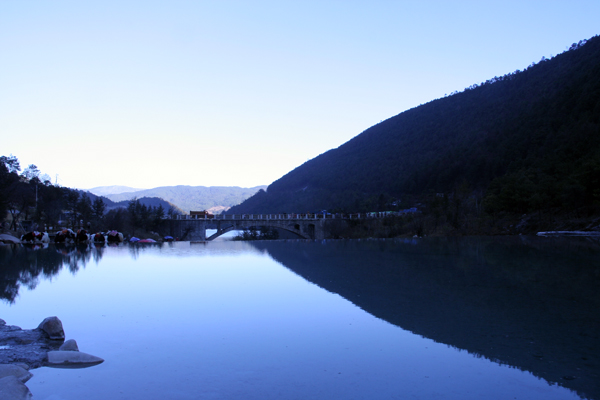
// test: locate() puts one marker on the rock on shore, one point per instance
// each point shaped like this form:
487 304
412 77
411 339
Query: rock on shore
14 370
24 349
72 359
53 327
11 388
27 346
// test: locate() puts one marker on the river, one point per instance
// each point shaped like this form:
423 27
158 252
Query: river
431 318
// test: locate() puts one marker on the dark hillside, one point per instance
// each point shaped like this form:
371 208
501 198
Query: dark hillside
524 141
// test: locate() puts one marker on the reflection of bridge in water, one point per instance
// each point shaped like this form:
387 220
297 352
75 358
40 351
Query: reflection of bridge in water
307 226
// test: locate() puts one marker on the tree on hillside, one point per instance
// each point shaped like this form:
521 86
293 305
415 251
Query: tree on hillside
50 204
116 220
9 182
21 198
158 215
98 209
145 216
71 202
134 214
31 172
84 208
11 163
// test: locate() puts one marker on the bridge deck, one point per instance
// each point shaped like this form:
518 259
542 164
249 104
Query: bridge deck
270 217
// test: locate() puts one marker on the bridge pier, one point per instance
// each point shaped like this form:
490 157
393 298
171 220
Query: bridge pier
192 230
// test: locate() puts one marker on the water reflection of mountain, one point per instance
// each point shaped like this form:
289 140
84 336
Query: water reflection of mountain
531 303
24 265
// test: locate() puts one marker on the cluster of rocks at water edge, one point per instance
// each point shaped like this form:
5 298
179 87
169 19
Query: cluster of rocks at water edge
24 349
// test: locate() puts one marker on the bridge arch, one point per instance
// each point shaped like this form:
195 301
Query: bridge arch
295 229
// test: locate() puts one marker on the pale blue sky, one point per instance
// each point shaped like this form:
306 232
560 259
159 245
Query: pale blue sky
238 93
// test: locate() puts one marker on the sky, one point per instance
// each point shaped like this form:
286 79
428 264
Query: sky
238 93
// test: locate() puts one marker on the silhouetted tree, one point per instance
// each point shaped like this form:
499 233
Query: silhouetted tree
98 209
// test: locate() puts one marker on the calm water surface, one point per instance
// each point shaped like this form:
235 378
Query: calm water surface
477 318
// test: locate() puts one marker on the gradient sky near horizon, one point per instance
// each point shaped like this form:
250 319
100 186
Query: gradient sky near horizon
238 93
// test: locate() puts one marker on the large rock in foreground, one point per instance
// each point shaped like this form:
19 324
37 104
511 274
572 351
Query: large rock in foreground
33 348
38 347
11 388
53 327
27 346
14 370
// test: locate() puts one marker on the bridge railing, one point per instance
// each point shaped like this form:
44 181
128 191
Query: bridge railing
239 217
289 216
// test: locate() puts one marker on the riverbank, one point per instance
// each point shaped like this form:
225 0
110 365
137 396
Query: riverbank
435 224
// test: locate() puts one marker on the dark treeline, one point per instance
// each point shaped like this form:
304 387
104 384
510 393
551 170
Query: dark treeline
524 143
30 196
24 196
142 218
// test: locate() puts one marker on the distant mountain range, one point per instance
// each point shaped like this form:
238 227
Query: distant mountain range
187 198
115 189
520 143
147 201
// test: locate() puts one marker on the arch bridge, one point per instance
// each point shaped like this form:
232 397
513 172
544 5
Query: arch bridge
307 226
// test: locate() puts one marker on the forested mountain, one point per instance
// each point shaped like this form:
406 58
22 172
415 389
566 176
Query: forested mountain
526 141
147 201
193 197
